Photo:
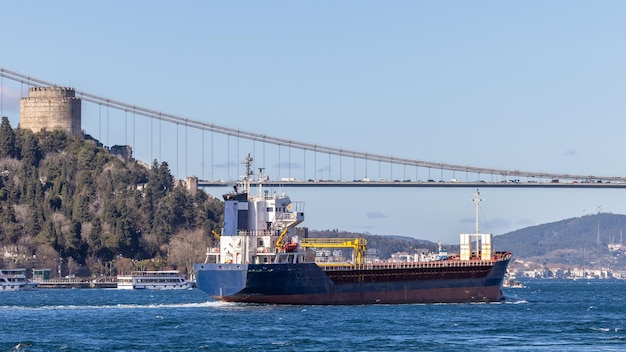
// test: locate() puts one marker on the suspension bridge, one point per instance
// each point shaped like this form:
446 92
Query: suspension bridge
290 162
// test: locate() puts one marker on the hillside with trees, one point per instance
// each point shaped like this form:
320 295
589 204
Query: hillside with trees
580 241
66 202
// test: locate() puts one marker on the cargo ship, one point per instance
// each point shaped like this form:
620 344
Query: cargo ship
261 258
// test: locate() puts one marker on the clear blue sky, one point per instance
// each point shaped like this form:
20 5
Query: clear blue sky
528 85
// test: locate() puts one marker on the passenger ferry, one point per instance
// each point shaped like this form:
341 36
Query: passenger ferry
15 280
153 280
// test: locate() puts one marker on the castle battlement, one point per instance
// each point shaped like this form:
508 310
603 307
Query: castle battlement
51 91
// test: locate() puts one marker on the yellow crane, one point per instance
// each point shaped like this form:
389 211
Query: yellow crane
279 241
359 245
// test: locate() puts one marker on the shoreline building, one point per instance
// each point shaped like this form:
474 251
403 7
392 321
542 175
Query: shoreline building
51 108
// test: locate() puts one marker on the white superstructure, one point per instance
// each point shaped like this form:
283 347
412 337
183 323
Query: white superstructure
14 280
256 226
153 280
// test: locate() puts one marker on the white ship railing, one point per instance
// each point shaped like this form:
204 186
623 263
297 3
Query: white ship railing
451 263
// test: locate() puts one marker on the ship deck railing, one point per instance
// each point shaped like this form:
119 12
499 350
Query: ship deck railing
153 273
448 263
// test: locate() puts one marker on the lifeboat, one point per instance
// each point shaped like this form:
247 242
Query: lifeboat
290 247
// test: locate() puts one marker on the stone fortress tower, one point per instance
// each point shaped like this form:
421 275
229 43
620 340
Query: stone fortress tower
51 108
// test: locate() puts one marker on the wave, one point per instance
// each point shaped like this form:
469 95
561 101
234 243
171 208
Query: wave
593 328
116 306
516 301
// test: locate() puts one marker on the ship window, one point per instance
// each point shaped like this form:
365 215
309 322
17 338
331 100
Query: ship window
269 209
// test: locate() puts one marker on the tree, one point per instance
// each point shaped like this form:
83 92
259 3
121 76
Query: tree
46 256
53 141
72 266
72 242
31 153
187 247
126 234
94 238
7 139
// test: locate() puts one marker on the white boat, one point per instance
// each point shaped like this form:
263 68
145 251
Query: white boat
512 284
153 280
15 280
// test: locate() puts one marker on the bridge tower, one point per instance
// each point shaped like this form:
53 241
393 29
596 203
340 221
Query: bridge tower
51 108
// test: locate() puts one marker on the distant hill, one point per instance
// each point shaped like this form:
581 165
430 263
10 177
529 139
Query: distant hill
571 241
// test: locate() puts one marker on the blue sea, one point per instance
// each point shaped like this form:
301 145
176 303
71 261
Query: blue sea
546 315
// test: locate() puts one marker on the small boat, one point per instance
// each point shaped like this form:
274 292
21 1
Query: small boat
153 280
15 280
512 284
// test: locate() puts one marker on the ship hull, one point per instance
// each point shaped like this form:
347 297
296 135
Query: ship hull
220 280
307 283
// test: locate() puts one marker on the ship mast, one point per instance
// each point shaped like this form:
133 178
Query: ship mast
477 200
249 173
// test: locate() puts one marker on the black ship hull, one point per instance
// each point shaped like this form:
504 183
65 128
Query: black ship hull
308 283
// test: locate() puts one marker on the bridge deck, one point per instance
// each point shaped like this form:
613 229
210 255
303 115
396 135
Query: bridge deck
423 184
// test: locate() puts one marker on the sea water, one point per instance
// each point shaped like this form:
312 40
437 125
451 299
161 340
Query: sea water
546 315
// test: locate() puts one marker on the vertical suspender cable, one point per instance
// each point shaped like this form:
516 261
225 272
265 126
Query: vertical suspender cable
279 162
100 122
329 177
203 166
126 127
315 165
237 156
160 141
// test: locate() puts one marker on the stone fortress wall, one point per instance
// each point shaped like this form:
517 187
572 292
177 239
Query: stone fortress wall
51 108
